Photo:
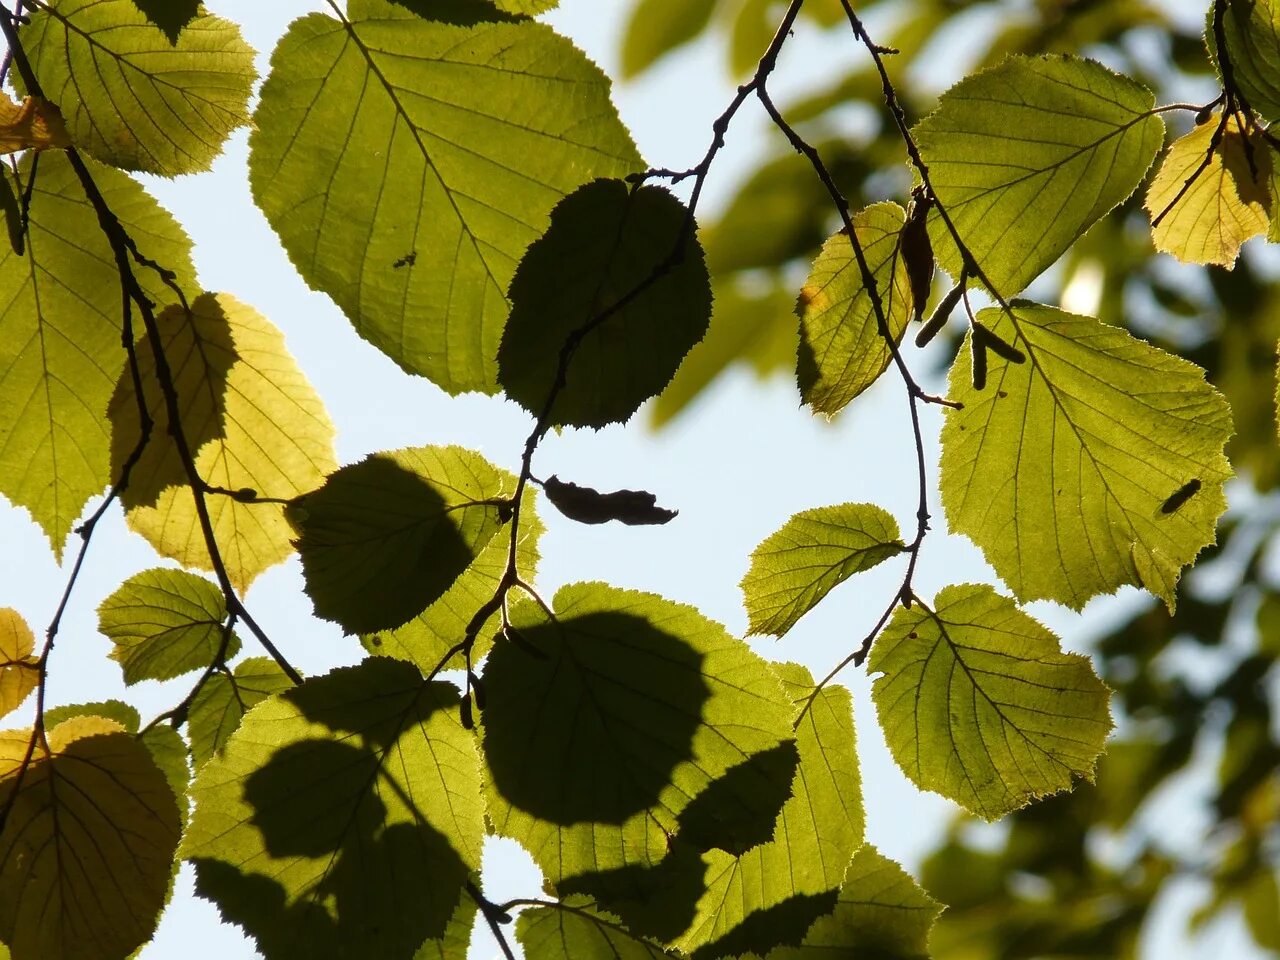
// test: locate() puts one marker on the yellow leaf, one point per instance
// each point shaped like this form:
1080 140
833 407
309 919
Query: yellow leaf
33 124
1204 206
255 427
19 670
87 850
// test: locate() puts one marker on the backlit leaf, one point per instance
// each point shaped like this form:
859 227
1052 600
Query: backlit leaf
253 422
430 636
457 141
224 699
772 893
882 914
34 124
1203 213
842 351
341 820
657 27
815 551
385 538
133 96
979 703
60 352
1025 156
642 704
87 851
457 935
115 710
567 281
1061 468
19 669
1252 29
164 623
575 930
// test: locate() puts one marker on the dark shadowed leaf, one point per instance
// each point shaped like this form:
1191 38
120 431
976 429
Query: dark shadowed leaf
386 537
86 853
606 242
642 704
340 819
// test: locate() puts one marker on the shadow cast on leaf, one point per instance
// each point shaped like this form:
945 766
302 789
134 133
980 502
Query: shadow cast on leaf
337 882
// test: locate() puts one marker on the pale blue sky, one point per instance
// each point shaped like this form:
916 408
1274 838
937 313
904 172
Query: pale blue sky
736 467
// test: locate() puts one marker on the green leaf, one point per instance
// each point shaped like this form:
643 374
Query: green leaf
815 551
385 538
165 623
1252 30
135 97
527 8
115 710
457 142
457 935
60 350
434 633
642 704
19 669
978 702
216 711
1025 156
772 893
882 914
341 818
86 852
841 349
255 427
575 930
657 27
1203 211
1064 468
570 279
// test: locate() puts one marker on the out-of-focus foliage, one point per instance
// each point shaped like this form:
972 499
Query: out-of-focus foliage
1195 692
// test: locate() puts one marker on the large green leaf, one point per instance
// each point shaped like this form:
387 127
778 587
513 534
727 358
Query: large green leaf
979 703
1252 29
1097 463
135 97
432 635
815 551
1026 155
772 893
164 623
60 350
385 538
642 705
216 711
575 930
341 819
408 164
882 914
86 852
253 422
1206 211
842 351
606 241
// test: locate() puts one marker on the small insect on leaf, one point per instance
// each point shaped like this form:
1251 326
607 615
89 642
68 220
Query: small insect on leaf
941 314
917 251
1180 496
632 507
